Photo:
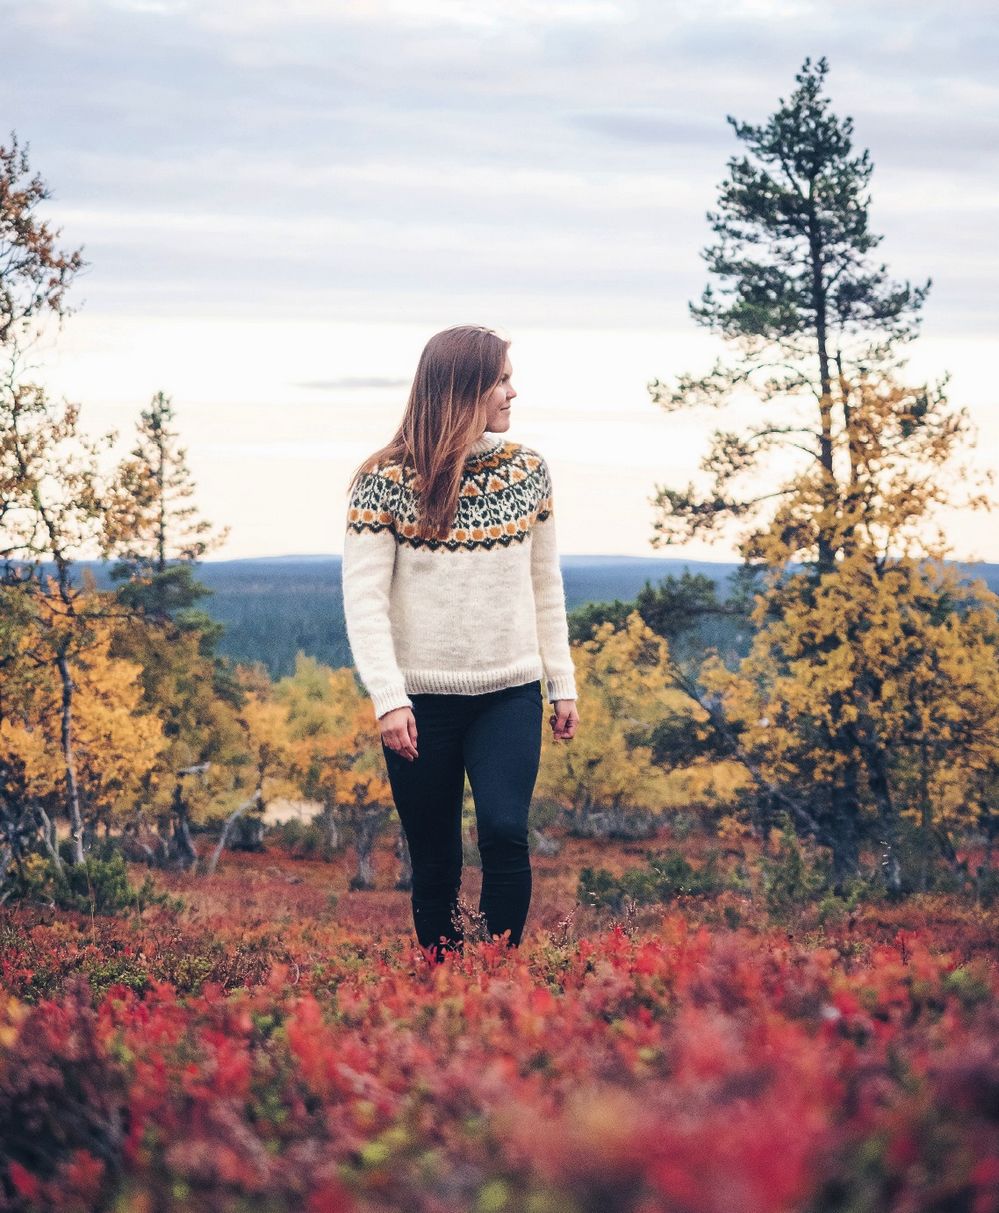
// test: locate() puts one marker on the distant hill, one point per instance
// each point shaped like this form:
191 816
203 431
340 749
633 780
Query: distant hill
273 606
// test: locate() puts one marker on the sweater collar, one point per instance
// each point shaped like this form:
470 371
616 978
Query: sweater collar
485 444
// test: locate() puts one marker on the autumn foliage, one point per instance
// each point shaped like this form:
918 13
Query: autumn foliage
790 1010
217 1062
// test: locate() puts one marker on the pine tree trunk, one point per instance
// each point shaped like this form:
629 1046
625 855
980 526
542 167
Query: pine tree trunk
827 552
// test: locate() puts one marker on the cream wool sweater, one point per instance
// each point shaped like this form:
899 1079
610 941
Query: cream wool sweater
480 610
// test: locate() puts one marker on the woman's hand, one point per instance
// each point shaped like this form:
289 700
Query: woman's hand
564 719
398 729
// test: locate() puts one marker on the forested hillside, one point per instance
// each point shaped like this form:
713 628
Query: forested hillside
274 607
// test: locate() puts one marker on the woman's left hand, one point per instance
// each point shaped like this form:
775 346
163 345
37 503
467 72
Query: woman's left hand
564 719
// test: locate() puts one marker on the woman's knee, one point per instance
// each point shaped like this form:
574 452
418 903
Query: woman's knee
433 877
505 836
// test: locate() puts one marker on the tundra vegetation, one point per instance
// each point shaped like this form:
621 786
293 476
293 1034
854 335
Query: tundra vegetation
760 968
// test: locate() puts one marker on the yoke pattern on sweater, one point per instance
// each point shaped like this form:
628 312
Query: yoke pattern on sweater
502 494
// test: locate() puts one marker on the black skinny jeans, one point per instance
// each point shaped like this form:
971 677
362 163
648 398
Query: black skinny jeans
496 738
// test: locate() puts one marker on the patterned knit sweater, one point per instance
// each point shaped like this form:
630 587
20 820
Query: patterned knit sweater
480 610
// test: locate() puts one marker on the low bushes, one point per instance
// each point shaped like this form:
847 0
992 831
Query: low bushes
672 1068
664 877
99 885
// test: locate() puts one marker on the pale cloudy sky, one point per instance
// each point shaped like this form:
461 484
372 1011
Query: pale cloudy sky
281 200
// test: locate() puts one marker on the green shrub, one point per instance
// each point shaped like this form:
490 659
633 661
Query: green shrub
684 824
791 879
664 877
99 885
835 905
987 886
918 863
302 839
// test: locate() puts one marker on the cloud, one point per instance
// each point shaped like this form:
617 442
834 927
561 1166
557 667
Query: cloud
404 150
350 382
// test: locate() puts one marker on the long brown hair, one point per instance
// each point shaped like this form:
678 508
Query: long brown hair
444 414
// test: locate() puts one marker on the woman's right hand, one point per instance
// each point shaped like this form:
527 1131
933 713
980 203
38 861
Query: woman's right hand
399 732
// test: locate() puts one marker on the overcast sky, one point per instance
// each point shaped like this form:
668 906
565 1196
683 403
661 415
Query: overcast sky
280 203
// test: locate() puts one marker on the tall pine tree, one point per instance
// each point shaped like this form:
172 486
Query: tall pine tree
152 528
817 328
800 301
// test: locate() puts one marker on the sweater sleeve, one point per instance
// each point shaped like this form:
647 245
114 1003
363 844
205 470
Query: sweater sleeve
549 598
369 553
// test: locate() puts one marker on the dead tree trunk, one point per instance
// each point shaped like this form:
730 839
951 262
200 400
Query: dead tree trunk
68 758
230 821
367 826
405 878
49 838
182 849
332 828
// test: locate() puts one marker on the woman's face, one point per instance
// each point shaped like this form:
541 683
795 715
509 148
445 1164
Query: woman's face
498 401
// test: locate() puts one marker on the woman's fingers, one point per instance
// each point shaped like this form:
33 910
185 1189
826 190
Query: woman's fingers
401 744
564 719
401 736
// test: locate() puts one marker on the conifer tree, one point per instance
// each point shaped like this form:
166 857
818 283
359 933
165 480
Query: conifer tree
813 712
152 527
799 299
154 535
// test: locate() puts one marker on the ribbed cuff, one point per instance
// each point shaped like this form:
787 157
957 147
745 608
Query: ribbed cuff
389 698
563 687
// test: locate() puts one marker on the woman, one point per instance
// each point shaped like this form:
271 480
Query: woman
455 611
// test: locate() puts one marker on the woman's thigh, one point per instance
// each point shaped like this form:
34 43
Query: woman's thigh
428 791
502 753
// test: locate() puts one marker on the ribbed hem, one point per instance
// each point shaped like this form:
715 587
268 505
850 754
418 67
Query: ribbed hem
390 697
471 682
563 687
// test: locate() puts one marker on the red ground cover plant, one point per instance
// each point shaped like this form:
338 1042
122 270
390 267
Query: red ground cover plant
292 1057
